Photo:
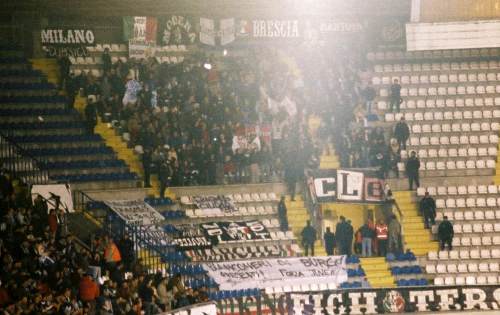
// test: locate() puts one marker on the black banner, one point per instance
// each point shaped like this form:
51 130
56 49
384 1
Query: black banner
218 232
345 185
176 30
369 301
67 37
188 243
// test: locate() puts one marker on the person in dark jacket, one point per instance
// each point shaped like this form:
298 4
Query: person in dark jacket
428 210
126 247
164 176
91 114
329 239
412 168
369 95
445 233
106 61
402 133
395 98
282 214
367 239
146 165
308 238
344 233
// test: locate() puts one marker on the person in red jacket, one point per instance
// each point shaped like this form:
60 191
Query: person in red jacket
382 232
53 222
89 289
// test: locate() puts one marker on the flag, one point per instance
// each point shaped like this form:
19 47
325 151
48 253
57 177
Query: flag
140 28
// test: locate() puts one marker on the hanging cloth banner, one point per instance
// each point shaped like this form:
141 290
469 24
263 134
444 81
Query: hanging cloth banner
277 272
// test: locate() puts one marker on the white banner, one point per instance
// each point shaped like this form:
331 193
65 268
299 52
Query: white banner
349 185
208 308
207 31
135 211
227 30
53 192
141 50
277 272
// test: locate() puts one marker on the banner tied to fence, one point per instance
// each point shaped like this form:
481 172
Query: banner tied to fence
277 272
135 211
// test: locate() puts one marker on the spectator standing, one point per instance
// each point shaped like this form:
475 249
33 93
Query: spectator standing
428 210
412 168
53 224
106 61
394 236
344 234
291 175
164 176
112 254
64 67
445 233
91 113
369 94
282 214
395 98
367 238
308 238
146 165
329 239
402 133
382 233
126 248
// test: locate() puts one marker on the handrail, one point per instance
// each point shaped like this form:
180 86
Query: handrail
20 163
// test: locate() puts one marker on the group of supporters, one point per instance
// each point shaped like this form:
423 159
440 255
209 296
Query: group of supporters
205 120
45 270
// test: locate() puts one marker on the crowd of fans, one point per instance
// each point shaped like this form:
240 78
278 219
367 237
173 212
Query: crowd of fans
46 271
204 120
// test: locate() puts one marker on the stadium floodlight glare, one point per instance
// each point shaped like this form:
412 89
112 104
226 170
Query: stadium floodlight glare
207 66
224 52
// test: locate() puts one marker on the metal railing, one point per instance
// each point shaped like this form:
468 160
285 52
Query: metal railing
18 162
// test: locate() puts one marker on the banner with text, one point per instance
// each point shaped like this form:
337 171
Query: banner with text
214 202
431 300
135 211
275 272
176 30
67 37
235 231
346 185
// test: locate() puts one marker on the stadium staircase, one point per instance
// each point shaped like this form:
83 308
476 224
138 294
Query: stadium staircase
496 178
127 154
297 217
328 158
48 67
416 236
377 272
36 118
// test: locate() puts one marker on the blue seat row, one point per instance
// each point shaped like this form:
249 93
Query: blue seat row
352 260
351 285
57 138
36 111
43 125
187 270
174 257
33 99
198 283
406 270
85 164
13 60
20 72
95 177
408 256
176 214
159 201
412 282
170 229
71 151
26 86
356 272
222 295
